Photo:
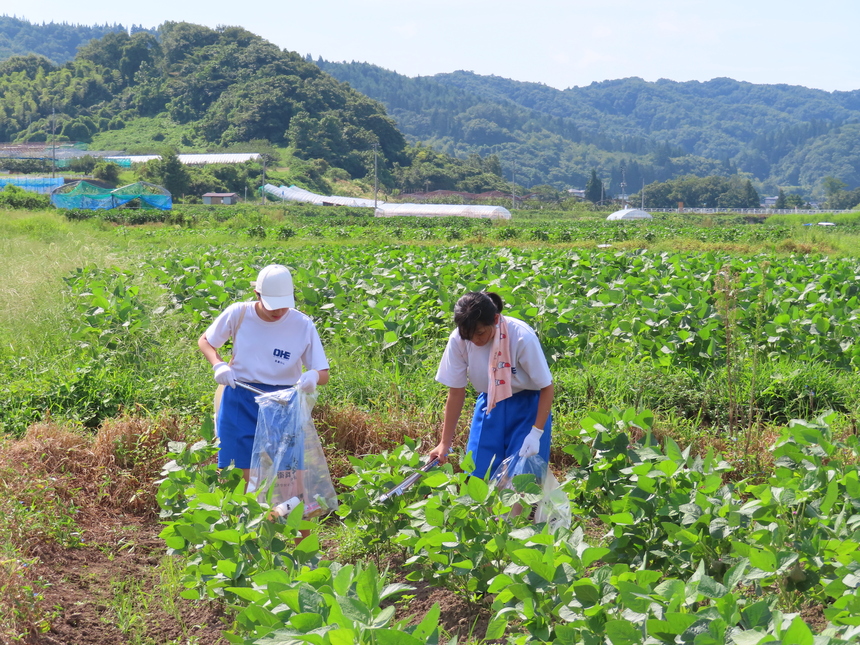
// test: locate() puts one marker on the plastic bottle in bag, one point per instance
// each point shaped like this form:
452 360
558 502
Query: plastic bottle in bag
312 509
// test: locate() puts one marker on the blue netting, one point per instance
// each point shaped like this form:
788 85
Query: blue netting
90 202
161 202
42 185
88 196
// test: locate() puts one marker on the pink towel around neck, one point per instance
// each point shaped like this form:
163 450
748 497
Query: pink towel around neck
500 366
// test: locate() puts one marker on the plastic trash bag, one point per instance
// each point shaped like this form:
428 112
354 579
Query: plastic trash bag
516 465
287 458
554 506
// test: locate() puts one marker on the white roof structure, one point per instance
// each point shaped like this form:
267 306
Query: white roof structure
442 210
193 160
296 194
629 213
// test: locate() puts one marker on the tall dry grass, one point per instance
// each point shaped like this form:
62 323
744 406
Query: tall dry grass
114 469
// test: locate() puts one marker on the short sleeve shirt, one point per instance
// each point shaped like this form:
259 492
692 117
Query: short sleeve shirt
272 353
464 362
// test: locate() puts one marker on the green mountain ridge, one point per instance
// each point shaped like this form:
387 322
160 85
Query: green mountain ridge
783 136
212 88
193 88
189 88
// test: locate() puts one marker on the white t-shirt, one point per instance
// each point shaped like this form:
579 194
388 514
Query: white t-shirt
268 352
464 361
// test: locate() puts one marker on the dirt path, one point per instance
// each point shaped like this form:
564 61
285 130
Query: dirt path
112 590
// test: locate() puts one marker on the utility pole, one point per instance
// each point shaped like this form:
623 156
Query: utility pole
53 143
263 183
375 174
623 186
514 186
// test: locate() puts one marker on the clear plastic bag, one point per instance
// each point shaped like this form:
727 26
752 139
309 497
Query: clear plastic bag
516 465
554 506
287 458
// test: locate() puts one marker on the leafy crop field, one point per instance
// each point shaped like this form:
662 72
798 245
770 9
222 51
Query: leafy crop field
675 353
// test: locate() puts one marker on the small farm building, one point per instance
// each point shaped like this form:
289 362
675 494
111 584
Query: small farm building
221 198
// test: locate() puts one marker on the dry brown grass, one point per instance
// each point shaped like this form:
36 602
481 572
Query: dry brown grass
115 468
61 485
352 431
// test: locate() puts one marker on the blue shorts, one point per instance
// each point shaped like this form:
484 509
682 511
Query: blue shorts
237 424
496 436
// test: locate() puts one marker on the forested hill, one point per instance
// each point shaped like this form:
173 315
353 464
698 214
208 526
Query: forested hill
206 88
191 87
783 135
58 42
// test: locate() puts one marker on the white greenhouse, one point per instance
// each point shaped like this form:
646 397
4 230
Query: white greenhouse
189 160
442 210
296 194
629 213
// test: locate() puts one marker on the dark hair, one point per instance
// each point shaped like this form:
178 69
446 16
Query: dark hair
476 308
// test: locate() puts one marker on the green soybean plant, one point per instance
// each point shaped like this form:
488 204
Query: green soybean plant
461 533
373 476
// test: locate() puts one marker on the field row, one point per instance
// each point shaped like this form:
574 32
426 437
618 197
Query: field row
674 309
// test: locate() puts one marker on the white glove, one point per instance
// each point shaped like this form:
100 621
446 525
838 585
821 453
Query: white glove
224 374
307 382
531 445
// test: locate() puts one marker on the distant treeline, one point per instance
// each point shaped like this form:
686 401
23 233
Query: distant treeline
191 88
56 41
783 136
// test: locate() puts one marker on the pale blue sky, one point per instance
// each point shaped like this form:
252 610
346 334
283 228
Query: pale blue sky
556 42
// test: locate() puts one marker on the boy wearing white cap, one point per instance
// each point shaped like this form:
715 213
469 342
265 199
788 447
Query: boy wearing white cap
272 341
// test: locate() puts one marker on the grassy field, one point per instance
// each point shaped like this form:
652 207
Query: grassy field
99 319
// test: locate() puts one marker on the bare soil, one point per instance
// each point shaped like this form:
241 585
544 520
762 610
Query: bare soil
85 585
105 591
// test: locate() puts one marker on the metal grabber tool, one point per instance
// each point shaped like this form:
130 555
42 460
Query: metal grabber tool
407 483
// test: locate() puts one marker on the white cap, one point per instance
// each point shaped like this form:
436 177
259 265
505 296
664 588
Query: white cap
275 286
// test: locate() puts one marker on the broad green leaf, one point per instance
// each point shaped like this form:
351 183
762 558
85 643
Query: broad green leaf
478 489
392 637
306 622
763 559
798 633
367 586
622 632
428 624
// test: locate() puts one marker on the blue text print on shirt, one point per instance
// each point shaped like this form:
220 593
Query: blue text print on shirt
281 353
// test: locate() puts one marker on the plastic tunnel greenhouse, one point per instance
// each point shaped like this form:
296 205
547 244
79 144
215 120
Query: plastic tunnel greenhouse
296 194
81 194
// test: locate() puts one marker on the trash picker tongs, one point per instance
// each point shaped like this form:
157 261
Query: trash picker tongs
253 389
407 483
258 391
